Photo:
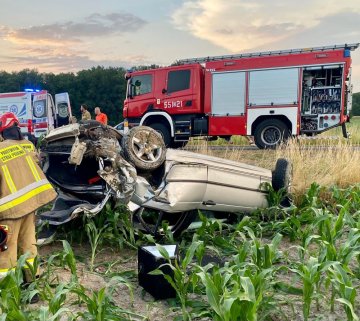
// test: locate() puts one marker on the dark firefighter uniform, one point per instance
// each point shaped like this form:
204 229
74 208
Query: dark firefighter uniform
23 189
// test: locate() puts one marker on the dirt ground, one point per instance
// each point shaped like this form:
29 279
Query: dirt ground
110 262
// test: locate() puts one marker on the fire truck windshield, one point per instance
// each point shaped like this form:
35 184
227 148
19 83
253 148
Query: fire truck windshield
139 85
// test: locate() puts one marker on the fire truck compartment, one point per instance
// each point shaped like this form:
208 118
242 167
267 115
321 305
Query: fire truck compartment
322 88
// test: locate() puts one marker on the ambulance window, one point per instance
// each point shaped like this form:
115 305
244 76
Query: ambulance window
63 110
142 84
178 80
39 109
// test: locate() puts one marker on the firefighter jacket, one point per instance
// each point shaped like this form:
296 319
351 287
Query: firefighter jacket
24 187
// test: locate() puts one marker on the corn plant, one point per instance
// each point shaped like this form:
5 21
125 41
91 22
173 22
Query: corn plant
220 236
264 255
181 281
119 229
101 307
275 198
68 258
10 291
350 195
235 294
59 297
14 298
44 314
312 197
311 275
345 289
95 236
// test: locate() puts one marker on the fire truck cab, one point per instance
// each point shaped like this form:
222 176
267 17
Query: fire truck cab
269 95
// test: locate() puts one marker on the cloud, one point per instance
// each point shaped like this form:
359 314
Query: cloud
67 46
95 25
46 59
4 31
242 25
60 63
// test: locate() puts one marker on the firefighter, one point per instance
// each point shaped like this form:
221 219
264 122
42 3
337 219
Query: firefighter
85 114
23 189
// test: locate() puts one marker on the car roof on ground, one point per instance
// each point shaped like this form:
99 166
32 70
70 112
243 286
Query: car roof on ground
183 156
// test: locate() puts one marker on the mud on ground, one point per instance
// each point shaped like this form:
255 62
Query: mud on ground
110 262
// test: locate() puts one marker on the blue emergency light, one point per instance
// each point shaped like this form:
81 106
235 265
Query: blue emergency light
31 90
347 53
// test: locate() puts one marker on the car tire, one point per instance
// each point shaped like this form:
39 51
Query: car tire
164 132
90 123
144 148
281 177
178 222
270 133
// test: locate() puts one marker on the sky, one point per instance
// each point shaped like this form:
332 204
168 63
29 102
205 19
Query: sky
68 36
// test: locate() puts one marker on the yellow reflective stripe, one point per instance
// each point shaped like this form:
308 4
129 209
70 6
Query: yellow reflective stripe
11 152
28 147
22 191
6 270
33 168
8 179
30 262
25 197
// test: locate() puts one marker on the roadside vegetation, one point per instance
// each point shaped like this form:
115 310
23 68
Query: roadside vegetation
296 263
328 159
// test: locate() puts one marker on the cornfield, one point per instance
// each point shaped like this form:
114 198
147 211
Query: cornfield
295 263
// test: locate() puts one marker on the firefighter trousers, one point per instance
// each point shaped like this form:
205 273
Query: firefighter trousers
21 240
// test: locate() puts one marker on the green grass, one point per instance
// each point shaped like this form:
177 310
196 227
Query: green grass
335 134
273 265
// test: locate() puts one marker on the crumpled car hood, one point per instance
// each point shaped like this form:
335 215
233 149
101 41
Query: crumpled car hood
184 182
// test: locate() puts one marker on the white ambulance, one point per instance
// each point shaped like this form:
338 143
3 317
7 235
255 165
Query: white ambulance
37 111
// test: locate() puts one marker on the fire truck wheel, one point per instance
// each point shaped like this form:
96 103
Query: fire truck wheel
164 132
281 176
179 144
270 133
144 148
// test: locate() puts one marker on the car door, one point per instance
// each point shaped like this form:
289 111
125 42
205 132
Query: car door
178 92
62 108
233 189
185 186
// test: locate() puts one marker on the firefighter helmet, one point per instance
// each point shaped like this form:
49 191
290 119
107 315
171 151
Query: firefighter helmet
8 120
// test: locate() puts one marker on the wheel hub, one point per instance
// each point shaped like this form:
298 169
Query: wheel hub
271 135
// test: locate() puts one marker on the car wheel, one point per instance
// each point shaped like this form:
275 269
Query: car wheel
164 132
144 148
270 133
282 175
151 221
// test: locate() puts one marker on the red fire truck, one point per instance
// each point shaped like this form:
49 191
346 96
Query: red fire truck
269 95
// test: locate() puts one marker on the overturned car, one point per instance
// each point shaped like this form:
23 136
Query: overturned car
91 164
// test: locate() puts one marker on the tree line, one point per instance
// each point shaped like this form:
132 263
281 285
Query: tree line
98 86
356 105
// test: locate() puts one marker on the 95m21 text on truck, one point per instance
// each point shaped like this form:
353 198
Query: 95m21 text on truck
269 95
